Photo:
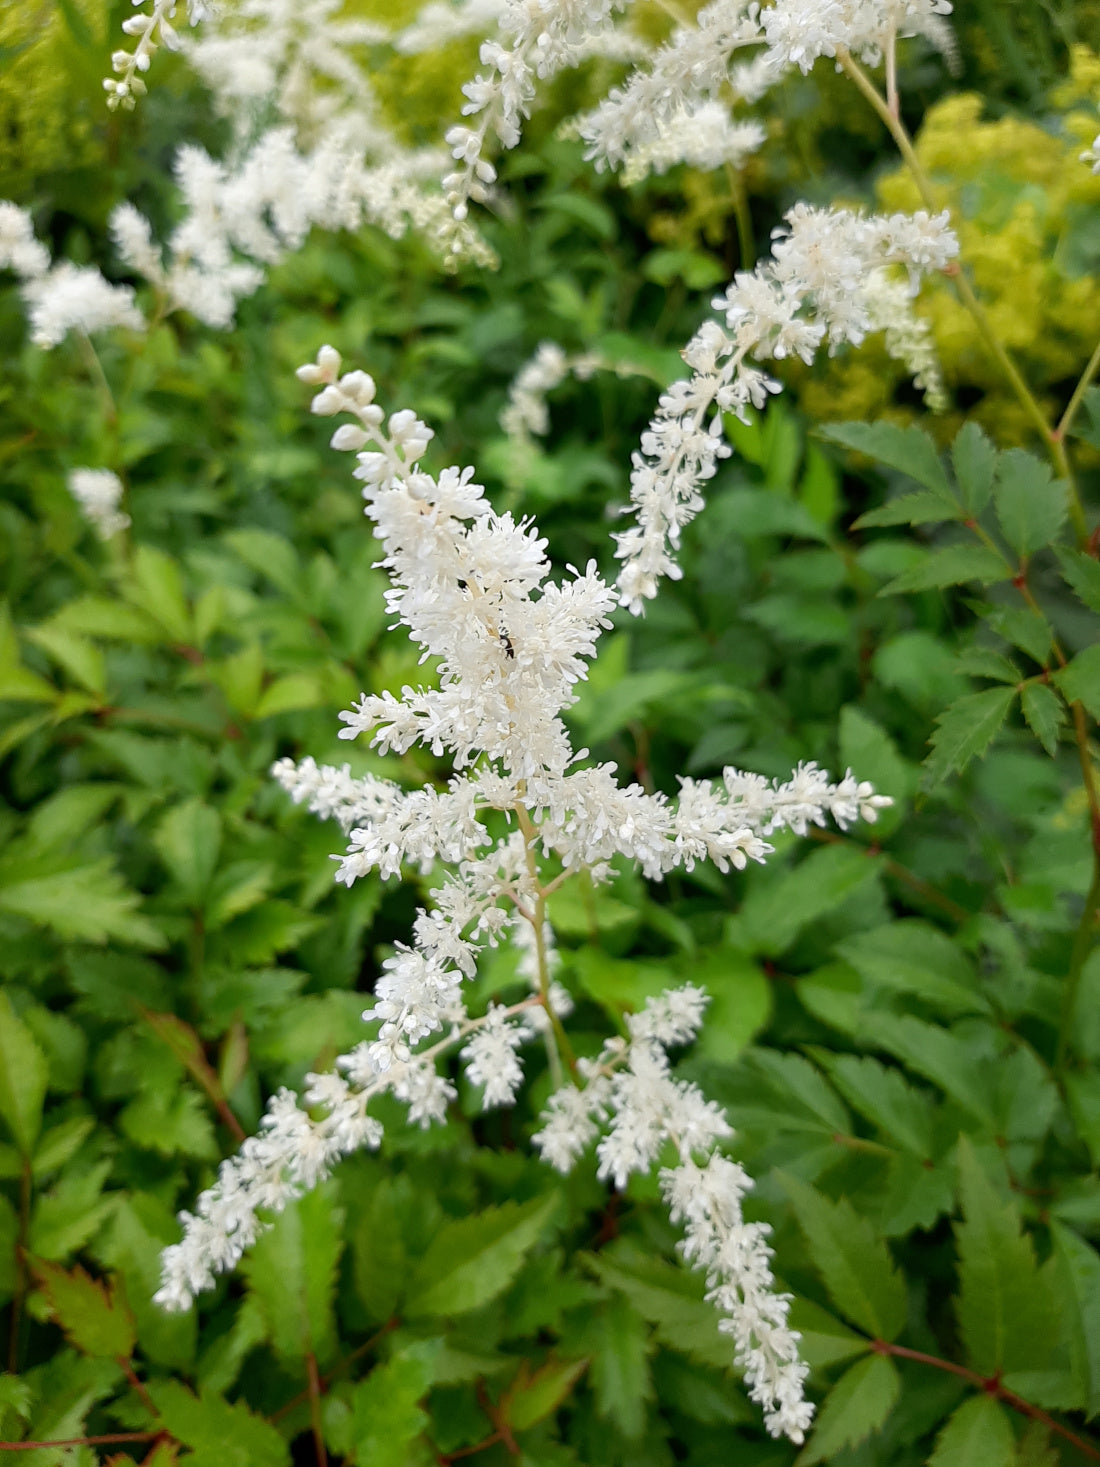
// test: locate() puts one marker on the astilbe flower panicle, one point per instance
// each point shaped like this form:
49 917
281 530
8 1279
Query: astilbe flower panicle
827 283
473 588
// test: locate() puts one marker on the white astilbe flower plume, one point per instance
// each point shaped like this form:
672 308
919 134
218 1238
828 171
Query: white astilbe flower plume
672 105
473 587
98 492
822 286
637 1108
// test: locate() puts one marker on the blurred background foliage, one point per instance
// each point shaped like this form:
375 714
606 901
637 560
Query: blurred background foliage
173 948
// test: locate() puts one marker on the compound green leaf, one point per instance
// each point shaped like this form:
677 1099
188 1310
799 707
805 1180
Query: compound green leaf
1045 714
975 462
953 565
188 840
89 903
966 729
386 1413
474 1259
978 1434
619 1345
23 1076
218 1433
883 1096
533 1397
1006 1318
909 450
853 1261
669 1298
1080 679
935 1053
856 1406
1082 571
1031 503
1080 1271
913 957
96 1318
911 509
291 1273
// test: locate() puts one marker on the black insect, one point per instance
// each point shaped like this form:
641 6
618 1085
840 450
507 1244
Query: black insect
506 642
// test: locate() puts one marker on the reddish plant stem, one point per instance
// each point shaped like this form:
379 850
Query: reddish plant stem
899 873
137 1385
315 1410
325 1381
991 1386
111 1439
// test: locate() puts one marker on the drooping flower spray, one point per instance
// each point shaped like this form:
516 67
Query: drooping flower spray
474 589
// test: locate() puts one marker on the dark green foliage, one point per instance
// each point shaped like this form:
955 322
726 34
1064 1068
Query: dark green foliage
903 1022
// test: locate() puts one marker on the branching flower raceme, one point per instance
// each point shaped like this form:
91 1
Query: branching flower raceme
473 588
826 283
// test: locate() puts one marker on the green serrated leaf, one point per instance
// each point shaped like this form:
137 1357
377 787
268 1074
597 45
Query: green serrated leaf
824 1339
854 1263
1031 503
95 1318
1044 712
1083 574
23 1075
935 1053
619 1345
1080 1271
386 1413
966 729
954 565
781 905
1026 629
532 1397
668 1298
271 555
90 903
288 694
188 841
79 657
978 1434
59 1143
219 1434
984 662
474 1259
911 509
856 1406
291 1273
909 450
1006 1318
975 462
140 1228
884 1097
1080 679
155 587
913 957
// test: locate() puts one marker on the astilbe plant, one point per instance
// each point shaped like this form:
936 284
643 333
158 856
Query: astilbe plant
472 586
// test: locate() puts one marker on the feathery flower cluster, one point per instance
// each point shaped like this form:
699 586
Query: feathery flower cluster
637 1109
672 107
473 588
525 413
813 291
99 494
297 57
537 40
64 297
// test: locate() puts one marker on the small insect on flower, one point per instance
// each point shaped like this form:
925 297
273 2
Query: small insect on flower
506 643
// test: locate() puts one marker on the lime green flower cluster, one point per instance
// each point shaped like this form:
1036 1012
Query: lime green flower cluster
1024 207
